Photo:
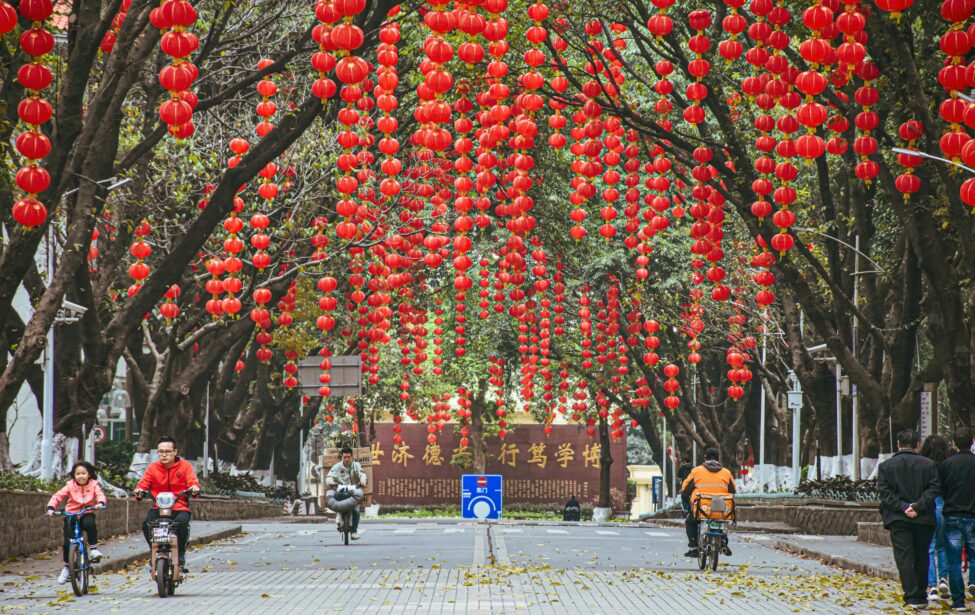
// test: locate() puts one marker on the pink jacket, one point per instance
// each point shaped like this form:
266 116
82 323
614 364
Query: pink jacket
78 496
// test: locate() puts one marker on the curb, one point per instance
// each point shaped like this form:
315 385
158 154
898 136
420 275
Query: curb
739 529
839 562
458 520
123 562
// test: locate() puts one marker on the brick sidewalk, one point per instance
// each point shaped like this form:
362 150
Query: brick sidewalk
843 551
119 552
491 591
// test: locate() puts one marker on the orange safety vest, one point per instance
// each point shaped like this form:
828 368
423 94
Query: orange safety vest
713 480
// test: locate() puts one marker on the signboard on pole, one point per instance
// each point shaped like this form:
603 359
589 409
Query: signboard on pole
98 433
928 420
346 373
480 496
658 490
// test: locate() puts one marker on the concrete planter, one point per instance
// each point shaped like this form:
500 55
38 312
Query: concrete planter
602 515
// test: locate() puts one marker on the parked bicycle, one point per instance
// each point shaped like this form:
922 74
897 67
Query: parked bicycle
713 512
80 569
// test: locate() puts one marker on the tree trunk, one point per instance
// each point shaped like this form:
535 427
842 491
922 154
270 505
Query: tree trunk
605 462
478 445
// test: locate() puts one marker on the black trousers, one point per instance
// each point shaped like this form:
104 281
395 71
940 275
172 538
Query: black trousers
690 526
911 541
182 519
87 522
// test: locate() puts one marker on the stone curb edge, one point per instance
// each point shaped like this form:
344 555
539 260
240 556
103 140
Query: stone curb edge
455 521
735 529
839 562
122 562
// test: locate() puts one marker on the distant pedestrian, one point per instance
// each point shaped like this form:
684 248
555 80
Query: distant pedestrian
572 510
937 450
908 484
958 485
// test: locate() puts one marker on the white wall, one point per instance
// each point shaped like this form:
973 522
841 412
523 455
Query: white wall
24 414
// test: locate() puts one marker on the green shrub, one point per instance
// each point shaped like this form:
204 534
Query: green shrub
840 488
11 481
227 484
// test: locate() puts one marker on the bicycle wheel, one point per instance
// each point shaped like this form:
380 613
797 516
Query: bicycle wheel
715 552
78 568
162 576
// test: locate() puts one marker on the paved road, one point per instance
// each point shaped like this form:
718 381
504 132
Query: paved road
470 568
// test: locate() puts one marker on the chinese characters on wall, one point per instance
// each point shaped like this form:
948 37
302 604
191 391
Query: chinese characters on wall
537 468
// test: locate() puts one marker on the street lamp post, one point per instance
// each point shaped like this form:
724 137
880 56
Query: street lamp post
761 420
854 419
795 404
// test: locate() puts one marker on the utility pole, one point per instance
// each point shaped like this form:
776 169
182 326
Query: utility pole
855 419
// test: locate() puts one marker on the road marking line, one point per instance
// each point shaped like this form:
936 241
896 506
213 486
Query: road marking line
454 530
557 531
502 550
808 537
607 533
405 531
761 538
658 534
511 530
480 534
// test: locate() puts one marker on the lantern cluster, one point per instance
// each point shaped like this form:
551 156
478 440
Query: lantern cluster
111 36
33 110
175 18
907 182
671 385
140 250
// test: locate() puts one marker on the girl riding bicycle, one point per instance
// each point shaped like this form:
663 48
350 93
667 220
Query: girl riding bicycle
80 492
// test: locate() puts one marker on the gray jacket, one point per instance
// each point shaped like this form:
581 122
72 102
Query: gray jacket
340 475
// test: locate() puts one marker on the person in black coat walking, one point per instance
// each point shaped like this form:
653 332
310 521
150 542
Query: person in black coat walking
908 484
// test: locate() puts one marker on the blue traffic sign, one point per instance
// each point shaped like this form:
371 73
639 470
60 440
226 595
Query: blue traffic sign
658 490
480 496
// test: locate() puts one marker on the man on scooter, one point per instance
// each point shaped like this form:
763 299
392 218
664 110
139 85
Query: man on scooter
347 472
171 474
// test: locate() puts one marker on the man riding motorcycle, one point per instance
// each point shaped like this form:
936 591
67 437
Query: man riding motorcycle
171 474
709 478
347 472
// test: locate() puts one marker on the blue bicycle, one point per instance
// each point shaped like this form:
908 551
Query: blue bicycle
80 570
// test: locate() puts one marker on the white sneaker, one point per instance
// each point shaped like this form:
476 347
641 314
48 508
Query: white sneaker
971 591
64 576
355 536
94 554
933 595
943 589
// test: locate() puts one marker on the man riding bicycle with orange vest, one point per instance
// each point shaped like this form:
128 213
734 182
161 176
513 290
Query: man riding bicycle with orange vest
709 478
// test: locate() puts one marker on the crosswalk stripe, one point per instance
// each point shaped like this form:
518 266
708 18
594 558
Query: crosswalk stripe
405 531
511 530
658 534
454 530
607 533
557 531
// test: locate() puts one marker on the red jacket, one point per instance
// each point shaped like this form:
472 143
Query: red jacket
159 479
